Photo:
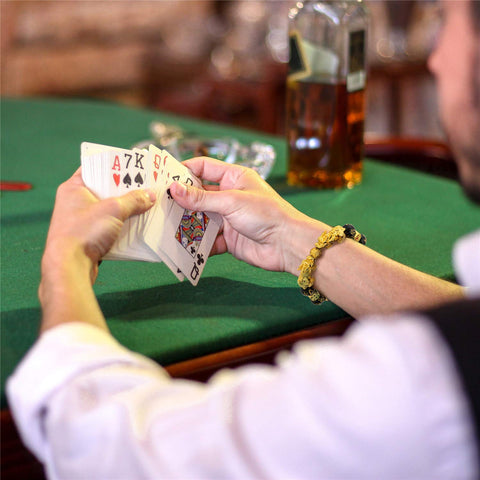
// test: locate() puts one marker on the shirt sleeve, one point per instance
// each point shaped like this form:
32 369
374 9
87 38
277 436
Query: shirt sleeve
383 401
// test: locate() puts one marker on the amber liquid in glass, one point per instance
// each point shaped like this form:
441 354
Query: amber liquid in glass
325 126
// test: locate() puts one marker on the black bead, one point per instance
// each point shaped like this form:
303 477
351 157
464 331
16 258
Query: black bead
349 230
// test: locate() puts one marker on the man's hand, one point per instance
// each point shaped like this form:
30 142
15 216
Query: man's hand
260 227
81 220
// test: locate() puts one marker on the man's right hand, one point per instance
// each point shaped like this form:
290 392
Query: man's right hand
259 226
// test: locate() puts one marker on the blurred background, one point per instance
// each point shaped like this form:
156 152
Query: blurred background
217 60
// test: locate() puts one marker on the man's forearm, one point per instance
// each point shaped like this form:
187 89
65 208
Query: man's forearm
65 291
364 282
371 283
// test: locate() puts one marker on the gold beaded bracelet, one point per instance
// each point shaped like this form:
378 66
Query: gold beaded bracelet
325 240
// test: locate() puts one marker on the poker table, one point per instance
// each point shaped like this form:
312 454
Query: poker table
237 313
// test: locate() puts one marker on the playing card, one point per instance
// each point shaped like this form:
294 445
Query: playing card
105 169
94 169
140 172
170 171
188 238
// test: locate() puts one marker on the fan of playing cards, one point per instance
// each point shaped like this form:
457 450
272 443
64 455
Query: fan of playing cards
168 233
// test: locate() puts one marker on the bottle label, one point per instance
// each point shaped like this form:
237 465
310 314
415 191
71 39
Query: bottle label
310 61
297 63
356 77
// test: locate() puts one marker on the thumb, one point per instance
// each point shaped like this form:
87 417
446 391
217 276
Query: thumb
132 203
198 199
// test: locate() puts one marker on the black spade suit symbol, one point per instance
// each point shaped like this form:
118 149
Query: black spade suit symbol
127 180
139 179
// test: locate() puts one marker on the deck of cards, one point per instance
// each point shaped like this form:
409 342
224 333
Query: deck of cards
168 233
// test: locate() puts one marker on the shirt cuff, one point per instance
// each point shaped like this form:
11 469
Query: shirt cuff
466 255
60 354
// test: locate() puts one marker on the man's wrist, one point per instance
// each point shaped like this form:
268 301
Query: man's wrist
65 255
65 291
303 234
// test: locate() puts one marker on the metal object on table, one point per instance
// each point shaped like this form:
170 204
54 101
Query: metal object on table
182 145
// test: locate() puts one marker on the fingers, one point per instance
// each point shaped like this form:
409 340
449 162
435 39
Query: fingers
133 203
213 170
219 246
77 175
202 200
74 181
136 202
76 178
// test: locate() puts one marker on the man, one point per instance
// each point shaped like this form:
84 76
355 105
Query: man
396 397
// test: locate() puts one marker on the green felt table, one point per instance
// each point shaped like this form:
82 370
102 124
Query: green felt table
409 216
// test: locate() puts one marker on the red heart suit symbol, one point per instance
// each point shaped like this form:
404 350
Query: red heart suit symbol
116 178
155 175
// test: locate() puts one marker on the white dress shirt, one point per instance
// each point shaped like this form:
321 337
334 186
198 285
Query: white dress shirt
466 258
382 402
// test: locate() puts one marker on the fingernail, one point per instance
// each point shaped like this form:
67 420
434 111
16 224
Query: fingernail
150 194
